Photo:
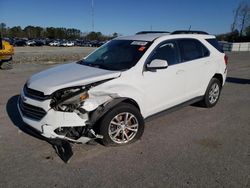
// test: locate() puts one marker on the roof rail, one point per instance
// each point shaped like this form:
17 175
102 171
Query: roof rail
147 32
189 32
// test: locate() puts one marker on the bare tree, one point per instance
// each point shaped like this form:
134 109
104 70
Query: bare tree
3 28
241 17
236 15
244 17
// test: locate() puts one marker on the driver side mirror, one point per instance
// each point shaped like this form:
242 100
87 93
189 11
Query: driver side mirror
157 64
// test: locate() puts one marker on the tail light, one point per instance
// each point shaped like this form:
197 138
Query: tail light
226 59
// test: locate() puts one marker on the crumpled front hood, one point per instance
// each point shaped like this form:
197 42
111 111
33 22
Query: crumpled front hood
68 75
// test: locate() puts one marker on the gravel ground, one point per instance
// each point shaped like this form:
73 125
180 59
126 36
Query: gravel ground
191 147
49 55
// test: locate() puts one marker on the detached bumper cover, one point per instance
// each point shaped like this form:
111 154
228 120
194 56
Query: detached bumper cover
49 120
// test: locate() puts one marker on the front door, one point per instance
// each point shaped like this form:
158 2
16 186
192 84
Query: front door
164 88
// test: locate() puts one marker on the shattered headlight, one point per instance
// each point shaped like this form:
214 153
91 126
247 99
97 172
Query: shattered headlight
69 99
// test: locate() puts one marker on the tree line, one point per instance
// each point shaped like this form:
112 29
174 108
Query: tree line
37 32
240 27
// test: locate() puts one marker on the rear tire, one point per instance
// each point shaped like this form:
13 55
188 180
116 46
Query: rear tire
122 125
6 65
212 94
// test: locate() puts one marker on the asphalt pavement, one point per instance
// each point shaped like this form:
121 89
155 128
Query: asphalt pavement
191 147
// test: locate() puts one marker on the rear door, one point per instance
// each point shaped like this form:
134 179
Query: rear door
196 62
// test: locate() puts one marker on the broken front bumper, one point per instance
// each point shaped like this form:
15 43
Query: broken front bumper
45 120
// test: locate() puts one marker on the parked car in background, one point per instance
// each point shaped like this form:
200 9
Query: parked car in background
87 44
19 42
30 43
67 44
95 43
102 43
36 42
39 43
79 43
48 41
54 43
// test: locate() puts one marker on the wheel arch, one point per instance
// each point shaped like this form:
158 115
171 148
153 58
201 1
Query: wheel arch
133 102
97 114
219 77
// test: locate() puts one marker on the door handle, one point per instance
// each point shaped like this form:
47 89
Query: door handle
180 71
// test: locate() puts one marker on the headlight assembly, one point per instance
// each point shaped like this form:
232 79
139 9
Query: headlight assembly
75 98
70 98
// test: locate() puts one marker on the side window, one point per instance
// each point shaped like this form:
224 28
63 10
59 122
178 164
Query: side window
167 51
205 51
215 44
191 49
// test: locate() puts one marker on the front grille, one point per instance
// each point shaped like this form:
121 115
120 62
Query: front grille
31 111
34 94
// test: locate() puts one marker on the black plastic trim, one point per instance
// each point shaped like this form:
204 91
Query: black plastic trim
151 32
189 32
174 108
34 94
31 111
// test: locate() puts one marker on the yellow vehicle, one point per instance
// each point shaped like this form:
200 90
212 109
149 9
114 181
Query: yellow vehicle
6 53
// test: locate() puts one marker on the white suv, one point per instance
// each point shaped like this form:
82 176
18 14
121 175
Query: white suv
109 93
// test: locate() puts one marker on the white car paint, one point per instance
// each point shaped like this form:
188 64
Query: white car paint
68 75
153 91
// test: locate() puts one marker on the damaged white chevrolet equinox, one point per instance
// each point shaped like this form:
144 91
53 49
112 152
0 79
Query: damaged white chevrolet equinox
110 93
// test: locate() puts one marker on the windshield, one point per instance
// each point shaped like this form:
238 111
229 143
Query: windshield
117 55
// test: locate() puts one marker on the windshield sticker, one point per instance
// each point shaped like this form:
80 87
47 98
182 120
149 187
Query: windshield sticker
142 48
139 43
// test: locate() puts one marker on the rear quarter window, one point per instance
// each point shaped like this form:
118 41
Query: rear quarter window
215 44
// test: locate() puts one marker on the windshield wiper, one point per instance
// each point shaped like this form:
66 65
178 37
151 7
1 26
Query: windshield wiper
91 65
96 65
82 62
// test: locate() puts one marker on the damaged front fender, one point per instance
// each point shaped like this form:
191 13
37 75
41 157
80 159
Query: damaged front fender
103 109
94 101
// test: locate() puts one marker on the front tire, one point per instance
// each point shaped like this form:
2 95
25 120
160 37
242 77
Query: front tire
122 125
212 94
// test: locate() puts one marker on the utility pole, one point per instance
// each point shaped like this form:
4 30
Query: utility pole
92 14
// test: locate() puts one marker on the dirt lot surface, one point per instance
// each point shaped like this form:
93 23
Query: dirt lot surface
191 147
48 54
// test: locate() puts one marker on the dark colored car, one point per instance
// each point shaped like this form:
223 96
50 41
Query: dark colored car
19 42
39 43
